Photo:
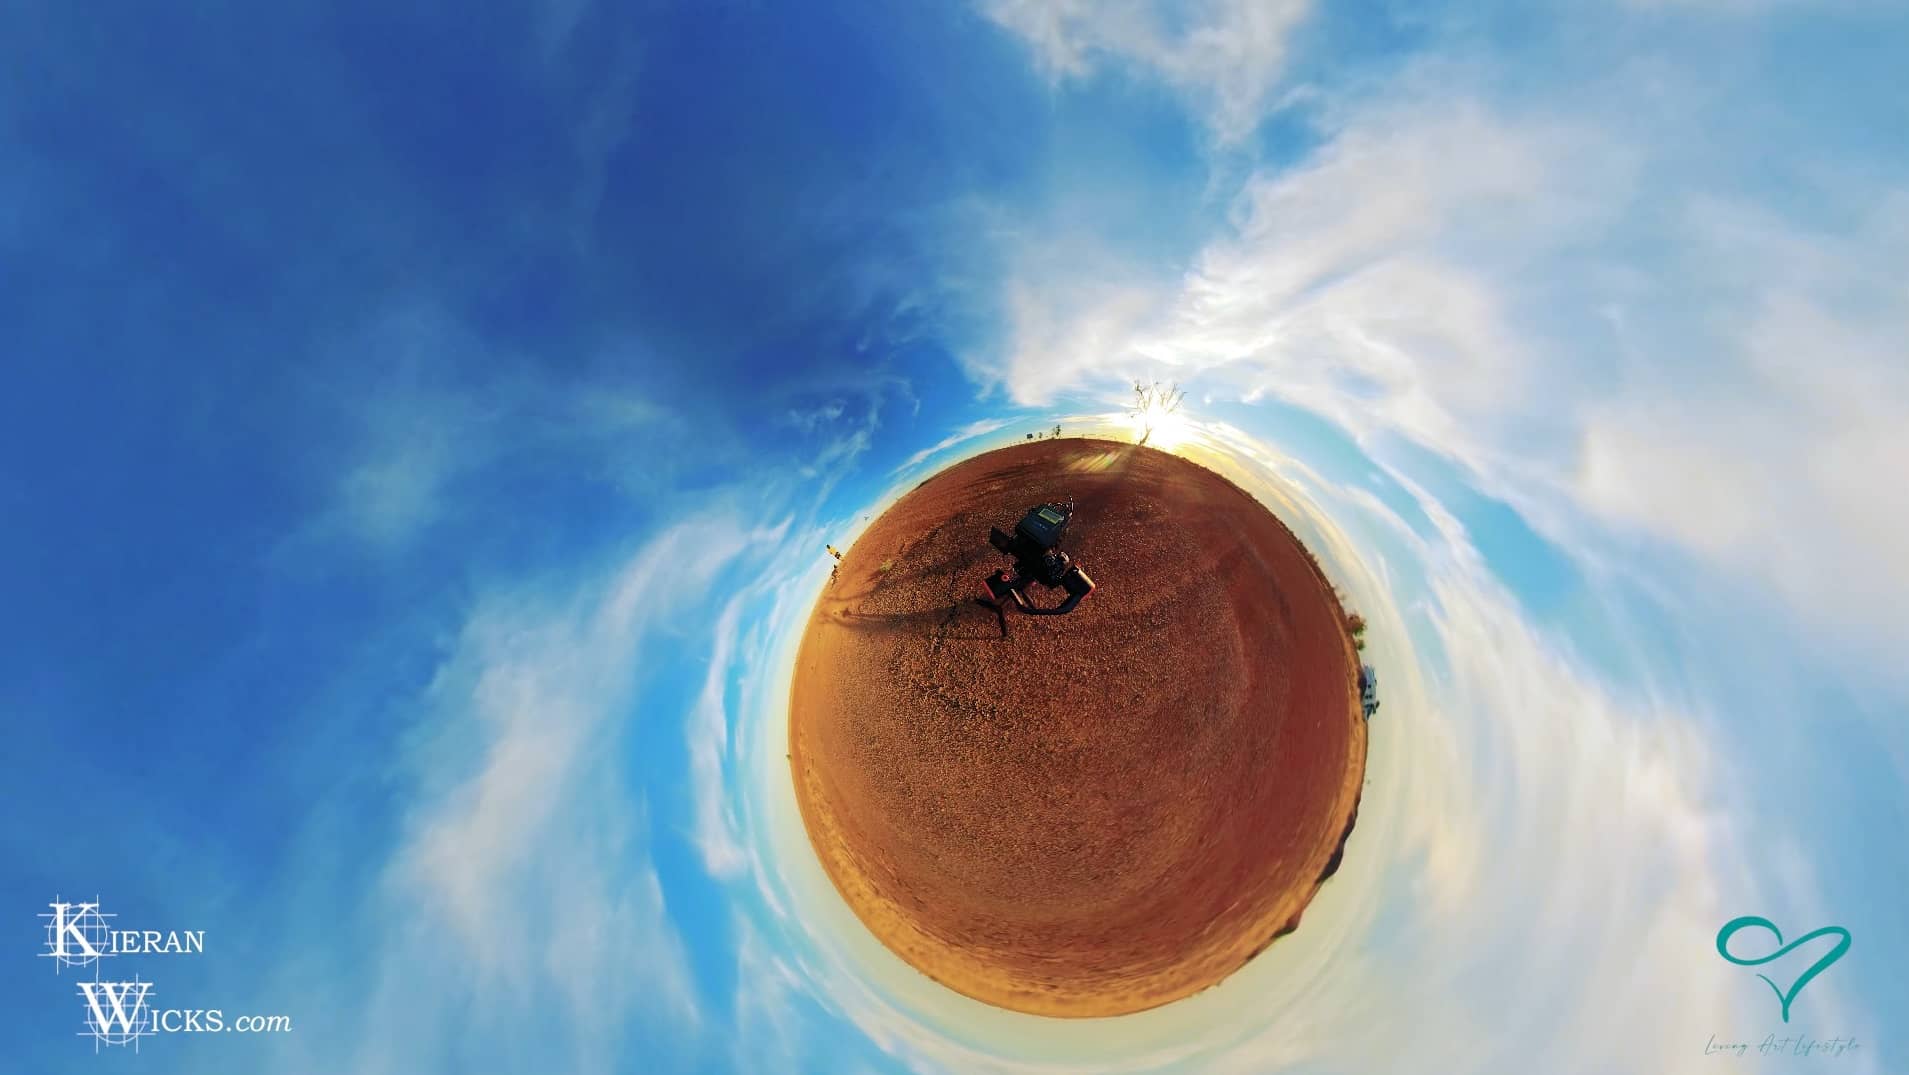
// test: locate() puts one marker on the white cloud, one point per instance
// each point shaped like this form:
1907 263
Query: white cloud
525 852
416 434
1734 7
708 734
768 1029
808 420
837 457
974 429
394 494
1563 831
1469 276
1226 55
839 452
1777 469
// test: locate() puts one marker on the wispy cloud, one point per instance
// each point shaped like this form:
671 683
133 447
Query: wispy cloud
526 843
980 427
770 1029
708 745
396 491
1227 55
418 433
808 420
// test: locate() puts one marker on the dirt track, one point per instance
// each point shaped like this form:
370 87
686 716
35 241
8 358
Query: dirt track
1106 811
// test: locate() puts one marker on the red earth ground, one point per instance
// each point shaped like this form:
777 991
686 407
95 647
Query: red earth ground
1105 811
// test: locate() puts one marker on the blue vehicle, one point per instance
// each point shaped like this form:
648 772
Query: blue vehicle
1368 690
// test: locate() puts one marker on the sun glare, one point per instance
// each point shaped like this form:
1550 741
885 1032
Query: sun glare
1170 428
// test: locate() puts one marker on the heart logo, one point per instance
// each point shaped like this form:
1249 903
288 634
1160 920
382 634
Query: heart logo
1730 929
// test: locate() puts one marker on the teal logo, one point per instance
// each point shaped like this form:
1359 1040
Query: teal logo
1731 928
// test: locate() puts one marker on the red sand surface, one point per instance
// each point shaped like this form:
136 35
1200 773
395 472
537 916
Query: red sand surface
1105 811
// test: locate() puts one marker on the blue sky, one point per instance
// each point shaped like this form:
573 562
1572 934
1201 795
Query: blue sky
421 429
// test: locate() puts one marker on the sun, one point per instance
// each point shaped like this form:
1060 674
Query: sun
1171 428
1155 415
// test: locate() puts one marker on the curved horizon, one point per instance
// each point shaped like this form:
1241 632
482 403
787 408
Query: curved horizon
424 434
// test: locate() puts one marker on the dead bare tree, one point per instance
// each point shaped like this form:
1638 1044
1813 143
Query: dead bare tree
1152 402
